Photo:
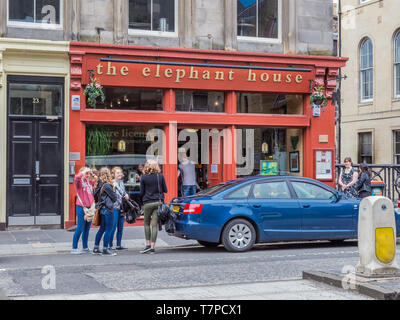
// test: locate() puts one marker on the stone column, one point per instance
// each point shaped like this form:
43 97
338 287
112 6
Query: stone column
3 18
121 21
72 18
185 21
1 68
230 24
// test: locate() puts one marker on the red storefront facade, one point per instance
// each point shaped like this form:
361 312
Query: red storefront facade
162 87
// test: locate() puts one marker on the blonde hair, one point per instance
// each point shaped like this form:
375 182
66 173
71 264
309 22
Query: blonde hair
83 168
115 169
104 176
151 167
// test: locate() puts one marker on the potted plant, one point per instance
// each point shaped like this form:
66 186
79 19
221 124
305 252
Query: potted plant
93 91
318 98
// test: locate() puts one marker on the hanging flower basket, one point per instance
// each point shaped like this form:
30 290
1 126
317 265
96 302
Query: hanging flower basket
93 91
318 98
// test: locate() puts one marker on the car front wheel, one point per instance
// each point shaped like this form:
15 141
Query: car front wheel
238 236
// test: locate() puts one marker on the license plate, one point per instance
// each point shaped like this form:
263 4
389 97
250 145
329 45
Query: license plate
176 208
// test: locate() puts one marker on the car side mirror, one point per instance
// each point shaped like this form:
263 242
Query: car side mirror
339 195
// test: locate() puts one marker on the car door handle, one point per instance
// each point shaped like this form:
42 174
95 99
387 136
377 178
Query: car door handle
256 206
306 206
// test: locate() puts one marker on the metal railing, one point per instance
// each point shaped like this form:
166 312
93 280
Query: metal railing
387 173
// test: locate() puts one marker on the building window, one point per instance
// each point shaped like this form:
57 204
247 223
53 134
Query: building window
396 146
259 18
199 101
263 103
153 15
131 99
366 71
35 13
365 147
397 65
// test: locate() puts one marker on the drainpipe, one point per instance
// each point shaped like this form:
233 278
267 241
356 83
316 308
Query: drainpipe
340 79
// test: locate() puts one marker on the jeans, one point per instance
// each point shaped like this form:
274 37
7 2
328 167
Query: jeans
105 228
189 190
82 228
118 224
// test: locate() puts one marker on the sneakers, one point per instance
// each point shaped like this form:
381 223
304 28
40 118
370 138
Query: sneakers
121 248
96 251
152 251
87 250
107 252
146 249
76 251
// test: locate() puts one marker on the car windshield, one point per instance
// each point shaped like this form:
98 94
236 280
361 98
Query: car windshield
218 188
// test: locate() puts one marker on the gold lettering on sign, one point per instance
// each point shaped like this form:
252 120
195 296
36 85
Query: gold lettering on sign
168 73
206 75
252 76
99 67
124 70
231 73
277 77
288 78
158 71
180 73
265 77
219 75
146 72
194 74
111 68
299 78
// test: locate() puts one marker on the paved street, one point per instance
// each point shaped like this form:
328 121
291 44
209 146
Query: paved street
179 270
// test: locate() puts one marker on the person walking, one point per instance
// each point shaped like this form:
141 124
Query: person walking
348 177
188 169
363 184
106 196
83 184
152 189
118 216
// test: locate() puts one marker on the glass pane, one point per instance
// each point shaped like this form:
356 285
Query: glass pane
140 14
310 191
199 101
131 99
269 103
397 48
164 15
271 190
397 79
123 146
21 10
48 11
366 54
35 99
268 18
241 193
247 18
397 148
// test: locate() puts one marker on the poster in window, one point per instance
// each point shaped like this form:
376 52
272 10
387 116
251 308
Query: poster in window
269 168
323 165
294 161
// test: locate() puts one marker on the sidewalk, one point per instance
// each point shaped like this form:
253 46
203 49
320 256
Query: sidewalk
48 241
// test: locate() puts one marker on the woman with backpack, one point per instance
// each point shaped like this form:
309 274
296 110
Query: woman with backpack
152 189
83 184
105 193
363 184
118 215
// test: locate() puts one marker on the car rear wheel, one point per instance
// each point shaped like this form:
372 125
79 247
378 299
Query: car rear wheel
238 236
208 244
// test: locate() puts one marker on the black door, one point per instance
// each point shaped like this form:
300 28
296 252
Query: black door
35 151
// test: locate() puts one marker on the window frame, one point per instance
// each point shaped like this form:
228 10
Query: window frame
277 40
395 155
364 71
396 51
293 182
251 193
359 155
35 25
168 34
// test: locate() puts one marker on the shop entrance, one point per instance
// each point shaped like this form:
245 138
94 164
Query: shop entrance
204 148
35 151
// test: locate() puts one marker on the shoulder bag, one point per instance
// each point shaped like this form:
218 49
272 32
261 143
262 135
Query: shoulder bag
96 221
163 211
89 212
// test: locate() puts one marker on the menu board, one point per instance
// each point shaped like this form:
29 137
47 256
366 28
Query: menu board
323 165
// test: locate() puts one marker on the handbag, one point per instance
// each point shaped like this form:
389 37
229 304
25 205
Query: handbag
89 212
96 221
163 210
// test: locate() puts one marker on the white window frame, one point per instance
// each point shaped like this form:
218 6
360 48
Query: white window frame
395 64
268 40
394 146
34 25
136 32
364 70
364 1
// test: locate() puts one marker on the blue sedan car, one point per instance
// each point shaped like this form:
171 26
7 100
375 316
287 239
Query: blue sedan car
242 212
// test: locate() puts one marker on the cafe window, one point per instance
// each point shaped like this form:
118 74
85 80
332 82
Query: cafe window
34 13
262 151
259 18
131 99
128 147
35 99
365 147
396 139
153 15
199 101
269 103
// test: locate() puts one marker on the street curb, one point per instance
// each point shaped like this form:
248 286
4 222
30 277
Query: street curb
367 289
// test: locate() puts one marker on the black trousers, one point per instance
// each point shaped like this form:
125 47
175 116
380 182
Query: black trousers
364 194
